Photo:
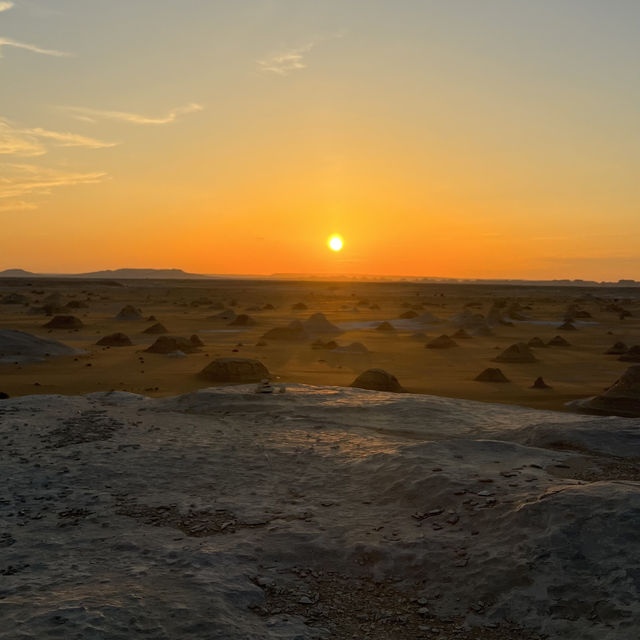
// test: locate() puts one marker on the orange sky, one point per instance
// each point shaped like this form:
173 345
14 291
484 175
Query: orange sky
460 140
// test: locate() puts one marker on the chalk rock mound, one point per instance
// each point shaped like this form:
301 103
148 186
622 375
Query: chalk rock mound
539 383
318 323
408 315
14 298
170 344
355 348
558 341
18 346
461 334
632 355
226 314
617 349
385 326
536 343
491 374
242 320
322 345
567 325
467 320
621 399
235 370
427 318
377 380
291 333
115 340
156 329
129 313
195 340
441 342
64 322
516 353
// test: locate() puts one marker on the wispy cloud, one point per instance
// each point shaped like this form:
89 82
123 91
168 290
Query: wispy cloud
5 6
27 143
93 115
7 42
20 180
282 63
285 62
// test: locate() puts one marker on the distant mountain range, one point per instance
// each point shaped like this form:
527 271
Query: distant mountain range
179 274
117 274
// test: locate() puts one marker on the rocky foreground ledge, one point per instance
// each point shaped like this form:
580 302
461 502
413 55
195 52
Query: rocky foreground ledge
316 513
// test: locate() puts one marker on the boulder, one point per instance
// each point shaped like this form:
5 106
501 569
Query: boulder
441 342
64 322
18 346
234 370
377 380
169 344
539 383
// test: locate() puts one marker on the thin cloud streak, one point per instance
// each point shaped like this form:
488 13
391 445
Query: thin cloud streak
21 205
19 180
27 143
93 115
284 63
7 42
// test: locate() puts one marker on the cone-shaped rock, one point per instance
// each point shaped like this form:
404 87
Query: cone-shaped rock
518 352
377 380
129 314
558 341
242 320
617 349
318 323
385 326
622 398
408 315
536 343
539 383
567 325
491 374
291 333
236 370
461 334
156 329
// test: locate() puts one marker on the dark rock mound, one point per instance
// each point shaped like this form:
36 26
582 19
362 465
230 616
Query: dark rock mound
226 314
195 340
491 374
621 399
536 343
291 333
318 323
539 383
617 349
558 341
517 353
4 396
441 342
567 325
21 346
170 344
268 307
377 380
156 329
420 335
408 315
115 340
462 334
632 355
76 304
237 370
385 326
64 322
299 306
129 314
242 320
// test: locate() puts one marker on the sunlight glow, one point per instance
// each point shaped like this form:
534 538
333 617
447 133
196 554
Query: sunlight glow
335 243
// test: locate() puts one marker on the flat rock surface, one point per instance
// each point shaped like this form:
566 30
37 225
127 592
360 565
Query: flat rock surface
322 512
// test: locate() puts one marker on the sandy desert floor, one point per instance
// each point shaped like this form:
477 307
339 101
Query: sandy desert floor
186 307
140 501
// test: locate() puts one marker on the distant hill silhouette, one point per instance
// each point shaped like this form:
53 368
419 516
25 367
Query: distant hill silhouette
159 274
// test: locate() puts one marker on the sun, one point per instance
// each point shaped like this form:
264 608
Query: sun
335 243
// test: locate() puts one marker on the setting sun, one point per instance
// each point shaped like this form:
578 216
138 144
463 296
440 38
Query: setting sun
335 243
